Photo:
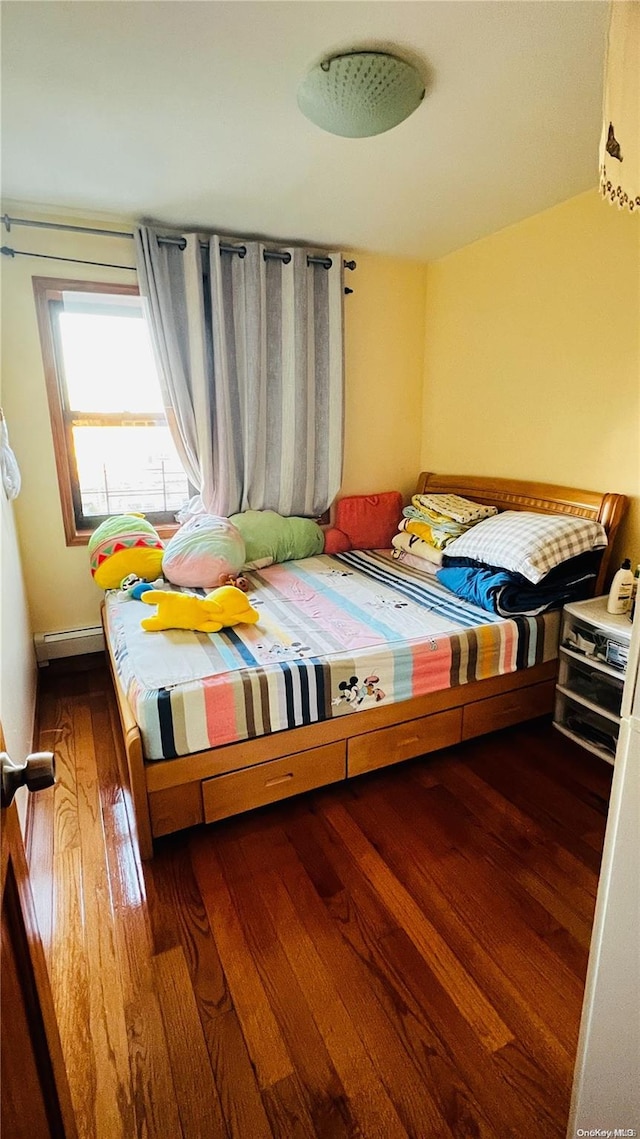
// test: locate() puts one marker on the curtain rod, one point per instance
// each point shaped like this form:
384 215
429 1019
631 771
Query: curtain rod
240 250
7 251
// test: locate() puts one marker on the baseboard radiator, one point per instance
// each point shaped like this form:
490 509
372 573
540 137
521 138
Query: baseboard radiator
68 643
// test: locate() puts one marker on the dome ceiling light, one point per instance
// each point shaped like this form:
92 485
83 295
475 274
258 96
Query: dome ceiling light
360 93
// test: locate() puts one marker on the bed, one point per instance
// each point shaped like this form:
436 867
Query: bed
357 662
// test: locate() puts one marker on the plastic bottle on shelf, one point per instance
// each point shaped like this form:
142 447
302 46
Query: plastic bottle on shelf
634 593
619 598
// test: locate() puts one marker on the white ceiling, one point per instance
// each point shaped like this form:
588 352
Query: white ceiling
186 112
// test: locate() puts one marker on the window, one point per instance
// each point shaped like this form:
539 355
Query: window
114 451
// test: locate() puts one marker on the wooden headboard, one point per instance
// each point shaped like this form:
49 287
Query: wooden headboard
543 498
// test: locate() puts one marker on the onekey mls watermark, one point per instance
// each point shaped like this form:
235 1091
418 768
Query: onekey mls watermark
606 1132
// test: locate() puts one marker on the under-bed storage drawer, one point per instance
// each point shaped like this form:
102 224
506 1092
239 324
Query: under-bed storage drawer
403 741
509 708
226 795
174 808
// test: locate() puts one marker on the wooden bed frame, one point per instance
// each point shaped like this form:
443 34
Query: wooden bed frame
206 786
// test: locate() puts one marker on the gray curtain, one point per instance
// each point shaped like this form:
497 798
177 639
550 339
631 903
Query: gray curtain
250 355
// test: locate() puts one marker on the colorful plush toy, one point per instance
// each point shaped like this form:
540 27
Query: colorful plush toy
269 537
132 587
222 607
237 579
203 552
141 587
124 545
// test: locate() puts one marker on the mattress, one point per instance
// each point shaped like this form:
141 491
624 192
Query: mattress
336 635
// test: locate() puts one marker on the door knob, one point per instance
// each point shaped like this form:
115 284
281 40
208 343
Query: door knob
37 771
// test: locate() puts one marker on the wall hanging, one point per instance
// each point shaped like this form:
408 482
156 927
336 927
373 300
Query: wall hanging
620 140
9 470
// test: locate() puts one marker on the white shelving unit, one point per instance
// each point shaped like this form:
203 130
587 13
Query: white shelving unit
594 649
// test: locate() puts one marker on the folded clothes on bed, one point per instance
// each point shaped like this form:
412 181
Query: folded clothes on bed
440 518
437 530
420 529
412 544
510 594
413 561
453 506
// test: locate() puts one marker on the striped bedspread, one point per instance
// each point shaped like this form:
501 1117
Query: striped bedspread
336 635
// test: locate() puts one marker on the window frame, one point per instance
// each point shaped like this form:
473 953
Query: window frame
78 528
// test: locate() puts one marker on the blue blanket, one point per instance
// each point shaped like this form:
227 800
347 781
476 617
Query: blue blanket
509 594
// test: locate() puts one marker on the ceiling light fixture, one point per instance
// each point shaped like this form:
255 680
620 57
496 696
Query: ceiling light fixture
360 93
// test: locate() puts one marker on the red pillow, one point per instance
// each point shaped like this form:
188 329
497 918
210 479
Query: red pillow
335 542
368 520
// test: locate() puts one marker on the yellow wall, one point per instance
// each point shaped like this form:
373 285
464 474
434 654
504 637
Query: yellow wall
384 358
532 359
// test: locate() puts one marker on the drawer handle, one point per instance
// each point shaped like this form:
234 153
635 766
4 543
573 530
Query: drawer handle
411 740
280 779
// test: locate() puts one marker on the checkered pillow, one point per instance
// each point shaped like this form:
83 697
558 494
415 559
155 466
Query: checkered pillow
525 543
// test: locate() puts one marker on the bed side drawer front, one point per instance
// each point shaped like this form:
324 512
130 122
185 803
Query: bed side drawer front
510 708
403 741
175 808
227 795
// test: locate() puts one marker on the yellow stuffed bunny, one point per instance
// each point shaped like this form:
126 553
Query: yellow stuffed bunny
222 607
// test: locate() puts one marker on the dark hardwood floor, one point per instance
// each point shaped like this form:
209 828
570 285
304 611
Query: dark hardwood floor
403 955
